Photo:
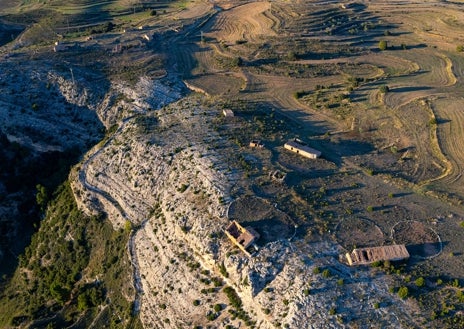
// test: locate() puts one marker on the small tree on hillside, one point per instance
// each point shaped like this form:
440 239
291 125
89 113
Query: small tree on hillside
41 197
403 292
384 89
237 61
420 282
291 56
383 45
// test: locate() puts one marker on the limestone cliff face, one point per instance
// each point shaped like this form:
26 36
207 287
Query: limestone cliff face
169 173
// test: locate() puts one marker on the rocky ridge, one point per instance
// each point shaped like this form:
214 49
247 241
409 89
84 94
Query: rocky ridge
168 172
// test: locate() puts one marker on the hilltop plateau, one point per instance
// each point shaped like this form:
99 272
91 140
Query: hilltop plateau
135 132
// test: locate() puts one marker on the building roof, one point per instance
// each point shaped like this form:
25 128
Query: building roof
242 237
300 145
256 143
369 255
228 113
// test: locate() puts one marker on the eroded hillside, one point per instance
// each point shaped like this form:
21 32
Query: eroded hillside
373 85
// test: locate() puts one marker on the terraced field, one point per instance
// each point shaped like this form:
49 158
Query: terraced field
450 118
295 47
247 22
75 15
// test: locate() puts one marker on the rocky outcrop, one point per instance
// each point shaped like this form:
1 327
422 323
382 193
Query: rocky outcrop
166 178
168 172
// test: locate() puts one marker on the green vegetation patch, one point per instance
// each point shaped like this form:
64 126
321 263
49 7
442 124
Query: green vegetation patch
74 265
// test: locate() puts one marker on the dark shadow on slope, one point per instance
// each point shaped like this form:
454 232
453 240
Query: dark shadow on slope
9 32
425 250
23 166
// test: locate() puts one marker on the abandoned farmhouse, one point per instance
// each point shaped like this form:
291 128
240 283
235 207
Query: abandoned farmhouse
298 146
364 256
241 237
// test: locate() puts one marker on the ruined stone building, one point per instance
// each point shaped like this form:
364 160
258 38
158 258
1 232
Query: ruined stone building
298 146
363 256
240 236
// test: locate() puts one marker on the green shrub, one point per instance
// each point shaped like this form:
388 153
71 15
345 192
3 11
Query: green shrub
237 61
384 89
217 282
223 270
41 197
58 292
211 316
403 292
460 295
291 56
82 302
298 94
326 273
377 263
234 299
370 171
383 45
420 282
